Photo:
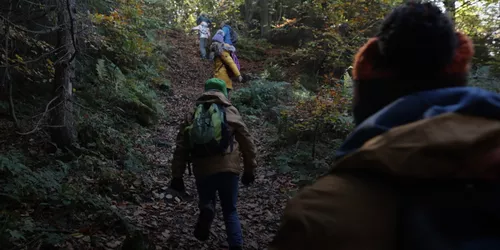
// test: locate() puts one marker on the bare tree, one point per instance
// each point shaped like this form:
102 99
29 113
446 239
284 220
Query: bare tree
264 17
63 130
450 8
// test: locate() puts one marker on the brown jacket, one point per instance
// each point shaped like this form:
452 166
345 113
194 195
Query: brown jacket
229 162
342 212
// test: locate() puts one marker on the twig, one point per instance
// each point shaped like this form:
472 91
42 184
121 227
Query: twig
37 4
38 32
43 116
34 60
11 98
6 77
46 230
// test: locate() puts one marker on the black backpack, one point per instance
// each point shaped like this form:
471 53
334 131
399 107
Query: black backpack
233 34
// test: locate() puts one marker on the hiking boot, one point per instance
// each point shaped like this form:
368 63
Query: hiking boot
202 228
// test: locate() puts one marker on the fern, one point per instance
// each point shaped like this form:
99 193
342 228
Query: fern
109 73
102 72
261 95
19 180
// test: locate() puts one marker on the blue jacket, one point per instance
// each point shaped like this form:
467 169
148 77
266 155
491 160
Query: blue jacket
227 34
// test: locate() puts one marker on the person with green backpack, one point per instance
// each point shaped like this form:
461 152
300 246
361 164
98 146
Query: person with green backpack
212 138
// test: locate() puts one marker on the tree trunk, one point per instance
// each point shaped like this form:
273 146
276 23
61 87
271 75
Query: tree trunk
6 77
264 18
248 12
450 8
63 131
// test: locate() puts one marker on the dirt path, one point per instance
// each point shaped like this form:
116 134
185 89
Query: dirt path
169 219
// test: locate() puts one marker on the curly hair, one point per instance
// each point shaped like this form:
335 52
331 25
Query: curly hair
417 37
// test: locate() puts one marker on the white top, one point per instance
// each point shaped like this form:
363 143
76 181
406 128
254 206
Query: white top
203 30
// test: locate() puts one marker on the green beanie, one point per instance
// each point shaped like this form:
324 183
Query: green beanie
216 84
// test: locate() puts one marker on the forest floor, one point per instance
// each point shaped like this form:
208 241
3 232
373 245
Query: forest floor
109 206
169 219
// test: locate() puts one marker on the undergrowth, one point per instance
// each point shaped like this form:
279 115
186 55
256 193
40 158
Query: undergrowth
48 194
304 127
253 49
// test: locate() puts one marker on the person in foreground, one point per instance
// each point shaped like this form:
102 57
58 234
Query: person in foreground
212 139
421 169
226 67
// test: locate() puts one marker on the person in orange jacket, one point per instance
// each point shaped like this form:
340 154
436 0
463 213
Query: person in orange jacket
225 68
421 170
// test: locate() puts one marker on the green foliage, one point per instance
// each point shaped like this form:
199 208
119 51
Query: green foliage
483 77
261 96
252 49
131 54
273 72
326 113
306 160
30 196
309 82
326 40
19 180
480 21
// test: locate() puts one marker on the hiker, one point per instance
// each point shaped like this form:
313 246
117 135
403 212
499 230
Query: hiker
422 167
214 149
203 18
230 36
204 33
226 64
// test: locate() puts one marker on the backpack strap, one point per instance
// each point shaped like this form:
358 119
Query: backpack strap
230 136
222 65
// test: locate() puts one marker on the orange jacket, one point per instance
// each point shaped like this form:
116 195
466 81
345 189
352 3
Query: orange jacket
342 211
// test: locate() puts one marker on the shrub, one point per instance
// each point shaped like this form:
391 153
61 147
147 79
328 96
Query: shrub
261 96
253 49
273 72
325 113
483 77
18 180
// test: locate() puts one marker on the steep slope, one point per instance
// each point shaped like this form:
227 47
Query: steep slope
169 219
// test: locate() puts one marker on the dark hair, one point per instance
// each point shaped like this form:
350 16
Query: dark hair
416 42
417 38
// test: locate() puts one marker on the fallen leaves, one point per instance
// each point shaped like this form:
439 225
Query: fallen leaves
167 217
114 244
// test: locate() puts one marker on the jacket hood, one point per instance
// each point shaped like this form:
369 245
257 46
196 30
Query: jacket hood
445 132
213 97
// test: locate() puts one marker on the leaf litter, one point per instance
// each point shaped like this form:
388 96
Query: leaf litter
167 217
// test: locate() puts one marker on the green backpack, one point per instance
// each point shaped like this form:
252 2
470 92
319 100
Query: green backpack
208 134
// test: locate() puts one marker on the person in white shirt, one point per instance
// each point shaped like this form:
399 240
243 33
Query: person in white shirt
204 31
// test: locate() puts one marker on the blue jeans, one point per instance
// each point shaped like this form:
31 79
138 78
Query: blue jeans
203 47
226 184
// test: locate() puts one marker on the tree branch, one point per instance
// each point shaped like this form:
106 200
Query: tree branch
38 32
34 60
43 116
6 77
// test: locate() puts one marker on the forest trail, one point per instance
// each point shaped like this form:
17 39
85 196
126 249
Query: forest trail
169 219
